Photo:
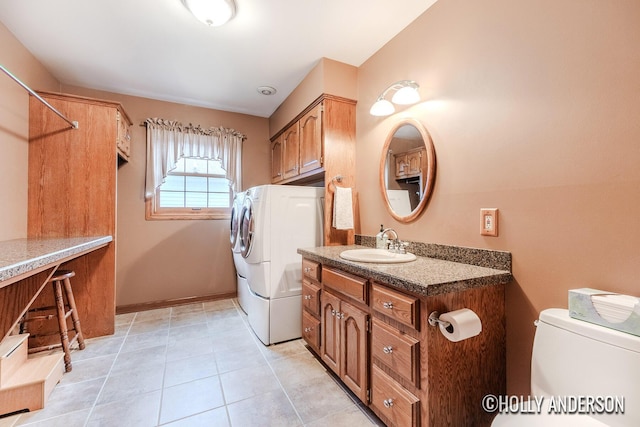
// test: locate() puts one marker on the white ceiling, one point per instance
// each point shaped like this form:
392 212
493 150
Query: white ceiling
157 49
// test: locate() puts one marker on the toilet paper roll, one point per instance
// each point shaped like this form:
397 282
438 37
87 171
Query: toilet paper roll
464 323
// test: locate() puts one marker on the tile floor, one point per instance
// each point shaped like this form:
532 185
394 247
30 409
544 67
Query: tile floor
195 365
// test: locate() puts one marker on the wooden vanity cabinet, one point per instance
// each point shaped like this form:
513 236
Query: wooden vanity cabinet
377 339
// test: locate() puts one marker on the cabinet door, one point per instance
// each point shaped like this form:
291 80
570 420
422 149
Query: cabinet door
353 347
414 160
291 153
276 160
401 165
311 140
330 328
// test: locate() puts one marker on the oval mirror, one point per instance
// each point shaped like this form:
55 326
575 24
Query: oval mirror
407 170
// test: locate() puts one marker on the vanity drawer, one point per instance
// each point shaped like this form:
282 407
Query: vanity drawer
398 351
311 331
311 269
348 284
396 305
389 399
311 297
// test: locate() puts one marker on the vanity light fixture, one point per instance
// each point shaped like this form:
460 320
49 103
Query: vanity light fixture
406 93
211 12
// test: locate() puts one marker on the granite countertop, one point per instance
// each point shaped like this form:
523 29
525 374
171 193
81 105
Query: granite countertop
20 257
424 276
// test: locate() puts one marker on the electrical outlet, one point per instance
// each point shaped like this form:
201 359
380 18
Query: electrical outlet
489 222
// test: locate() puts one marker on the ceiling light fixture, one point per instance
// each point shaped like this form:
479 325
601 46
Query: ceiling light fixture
406 94
212 12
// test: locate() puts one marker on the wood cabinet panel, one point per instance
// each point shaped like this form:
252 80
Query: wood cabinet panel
311 330
291 152
391 402
330 331
311 297
354 349
396 305
348 284
311 269
398 351
72 192
311 140
276 161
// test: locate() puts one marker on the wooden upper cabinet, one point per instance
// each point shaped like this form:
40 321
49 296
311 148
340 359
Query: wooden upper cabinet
123 138
410 163
276 161
291 150
311 140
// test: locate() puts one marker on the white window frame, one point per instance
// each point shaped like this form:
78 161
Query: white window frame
155 211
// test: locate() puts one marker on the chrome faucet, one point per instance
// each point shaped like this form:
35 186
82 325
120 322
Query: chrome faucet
395 245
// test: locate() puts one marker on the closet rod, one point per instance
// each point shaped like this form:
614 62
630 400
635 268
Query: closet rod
73 124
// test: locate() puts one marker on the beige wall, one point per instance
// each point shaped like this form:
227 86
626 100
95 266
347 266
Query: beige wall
14 131
533 108
166 260
328 76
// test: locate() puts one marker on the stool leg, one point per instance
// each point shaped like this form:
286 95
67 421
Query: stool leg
74 313
62 323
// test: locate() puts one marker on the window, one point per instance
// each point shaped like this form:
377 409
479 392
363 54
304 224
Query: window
195 189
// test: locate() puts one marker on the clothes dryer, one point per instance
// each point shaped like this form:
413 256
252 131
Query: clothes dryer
242 285
276 220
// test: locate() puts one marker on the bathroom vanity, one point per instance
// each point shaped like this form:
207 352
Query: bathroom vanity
368 323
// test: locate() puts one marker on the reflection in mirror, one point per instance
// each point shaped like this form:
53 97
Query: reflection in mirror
407 170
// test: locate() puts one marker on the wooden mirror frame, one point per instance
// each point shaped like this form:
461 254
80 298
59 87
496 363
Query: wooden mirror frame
430 173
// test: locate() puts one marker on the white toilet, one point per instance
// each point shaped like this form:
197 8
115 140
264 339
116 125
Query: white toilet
577 360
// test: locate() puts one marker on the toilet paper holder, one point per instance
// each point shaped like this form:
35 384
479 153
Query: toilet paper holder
434 320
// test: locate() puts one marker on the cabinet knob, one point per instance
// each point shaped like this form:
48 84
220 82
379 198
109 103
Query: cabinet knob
333 312
307 297
388 403
340 315
308 330
387 350
388 305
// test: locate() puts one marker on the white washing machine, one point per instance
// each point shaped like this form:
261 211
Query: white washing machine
238 260
276 220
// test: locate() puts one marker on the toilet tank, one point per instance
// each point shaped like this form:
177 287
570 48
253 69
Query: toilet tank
576 358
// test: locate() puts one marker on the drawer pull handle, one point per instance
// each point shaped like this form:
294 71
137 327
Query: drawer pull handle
387 350
388 403
388 305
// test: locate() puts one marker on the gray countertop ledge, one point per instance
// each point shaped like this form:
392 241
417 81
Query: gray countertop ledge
21 256
425 276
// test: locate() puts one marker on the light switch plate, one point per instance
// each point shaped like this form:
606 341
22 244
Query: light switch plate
489 222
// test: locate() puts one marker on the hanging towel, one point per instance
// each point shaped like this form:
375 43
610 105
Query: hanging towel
342 209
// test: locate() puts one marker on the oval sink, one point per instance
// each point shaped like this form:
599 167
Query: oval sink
381 256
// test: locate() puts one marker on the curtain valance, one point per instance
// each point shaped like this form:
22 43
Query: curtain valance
168 141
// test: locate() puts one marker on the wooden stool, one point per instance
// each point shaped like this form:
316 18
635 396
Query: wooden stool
61 282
